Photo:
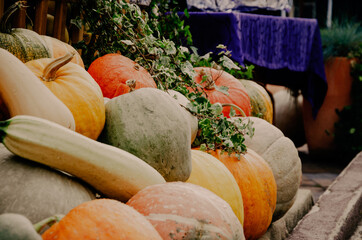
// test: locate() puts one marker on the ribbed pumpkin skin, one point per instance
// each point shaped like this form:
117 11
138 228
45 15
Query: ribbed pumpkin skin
236 91
258 188
36 191
104 219
24 44
210 173
79 92
180 210
58 48
261 103
111 72
283 158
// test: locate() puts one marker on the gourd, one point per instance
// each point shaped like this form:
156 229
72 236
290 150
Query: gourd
180 210
257 186
110 170
23 43
37 191
183 101
151 125
23 94
111 71
17 227
102 219
58 49
282 156
261 103
210 173
74 86
216 79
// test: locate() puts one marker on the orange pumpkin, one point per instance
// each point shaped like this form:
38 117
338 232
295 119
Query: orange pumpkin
76 89
104 219
58 49
236 92
180 210
258 188
111 72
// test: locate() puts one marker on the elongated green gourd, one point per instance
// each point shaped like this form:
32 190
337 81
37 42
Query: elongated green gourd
112 171
24 94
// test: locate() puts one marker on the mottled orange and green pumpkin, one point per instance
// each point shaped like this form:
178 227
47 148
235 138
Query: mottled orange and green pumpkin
257 186
180 210
111 72
261 103
105 219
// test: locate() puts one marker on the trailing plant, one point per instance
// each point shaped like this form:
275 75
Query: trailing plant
348 129
117 26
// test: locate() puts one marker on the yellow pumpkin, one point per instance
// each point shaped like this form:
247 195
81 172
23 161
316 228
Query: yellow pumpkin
210 173
73 85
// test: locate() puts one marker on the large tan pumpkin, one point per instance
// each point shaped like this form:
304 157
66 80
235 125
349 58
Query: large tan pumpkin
282 156
210 173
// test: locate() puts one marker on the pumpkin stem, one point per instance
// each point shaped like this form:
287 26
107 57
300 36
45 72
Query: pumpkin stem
131 83
3 126
209 82
50 71
5 24
47 222
233 105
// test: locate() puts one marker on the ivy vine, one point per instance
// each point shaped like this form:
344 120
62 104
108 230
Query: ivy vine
143 36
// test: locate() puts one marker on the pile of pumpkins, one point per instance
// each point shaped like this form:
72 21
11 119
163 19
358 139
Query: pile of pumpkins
113 108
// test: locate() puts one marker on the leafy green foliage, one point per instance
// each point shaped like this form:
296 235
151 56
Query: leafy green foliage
348 129
117 26
341 39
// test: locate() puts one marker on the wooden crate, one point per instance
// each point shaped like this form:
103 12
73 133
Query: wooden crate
40 19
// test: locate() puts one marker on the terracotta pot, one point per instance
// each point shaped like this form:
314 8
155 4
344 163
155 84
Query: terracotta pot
319 131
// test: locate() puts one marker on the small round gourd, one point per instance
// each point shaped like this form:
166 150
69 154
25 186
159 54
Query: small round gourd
180 210
282 156
257 186
151 125
210 173
104 219
37 191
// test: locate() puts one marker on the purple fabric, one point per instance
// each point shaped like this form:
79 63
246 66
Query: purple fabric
272 42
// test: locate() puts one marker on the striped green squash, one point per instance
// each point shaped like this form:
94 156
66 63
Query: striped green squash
25 44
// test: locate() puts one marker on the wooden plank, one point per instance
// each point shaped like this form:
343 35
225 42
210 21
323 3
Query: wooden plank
20 17
41 9
60 19
2 8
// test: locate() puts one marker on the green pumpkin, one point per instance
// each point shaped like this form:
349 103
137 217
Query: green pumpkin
23 43
261 103
151 125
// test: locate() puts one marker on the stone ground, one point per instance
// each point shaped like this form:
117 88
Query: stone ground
317 176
